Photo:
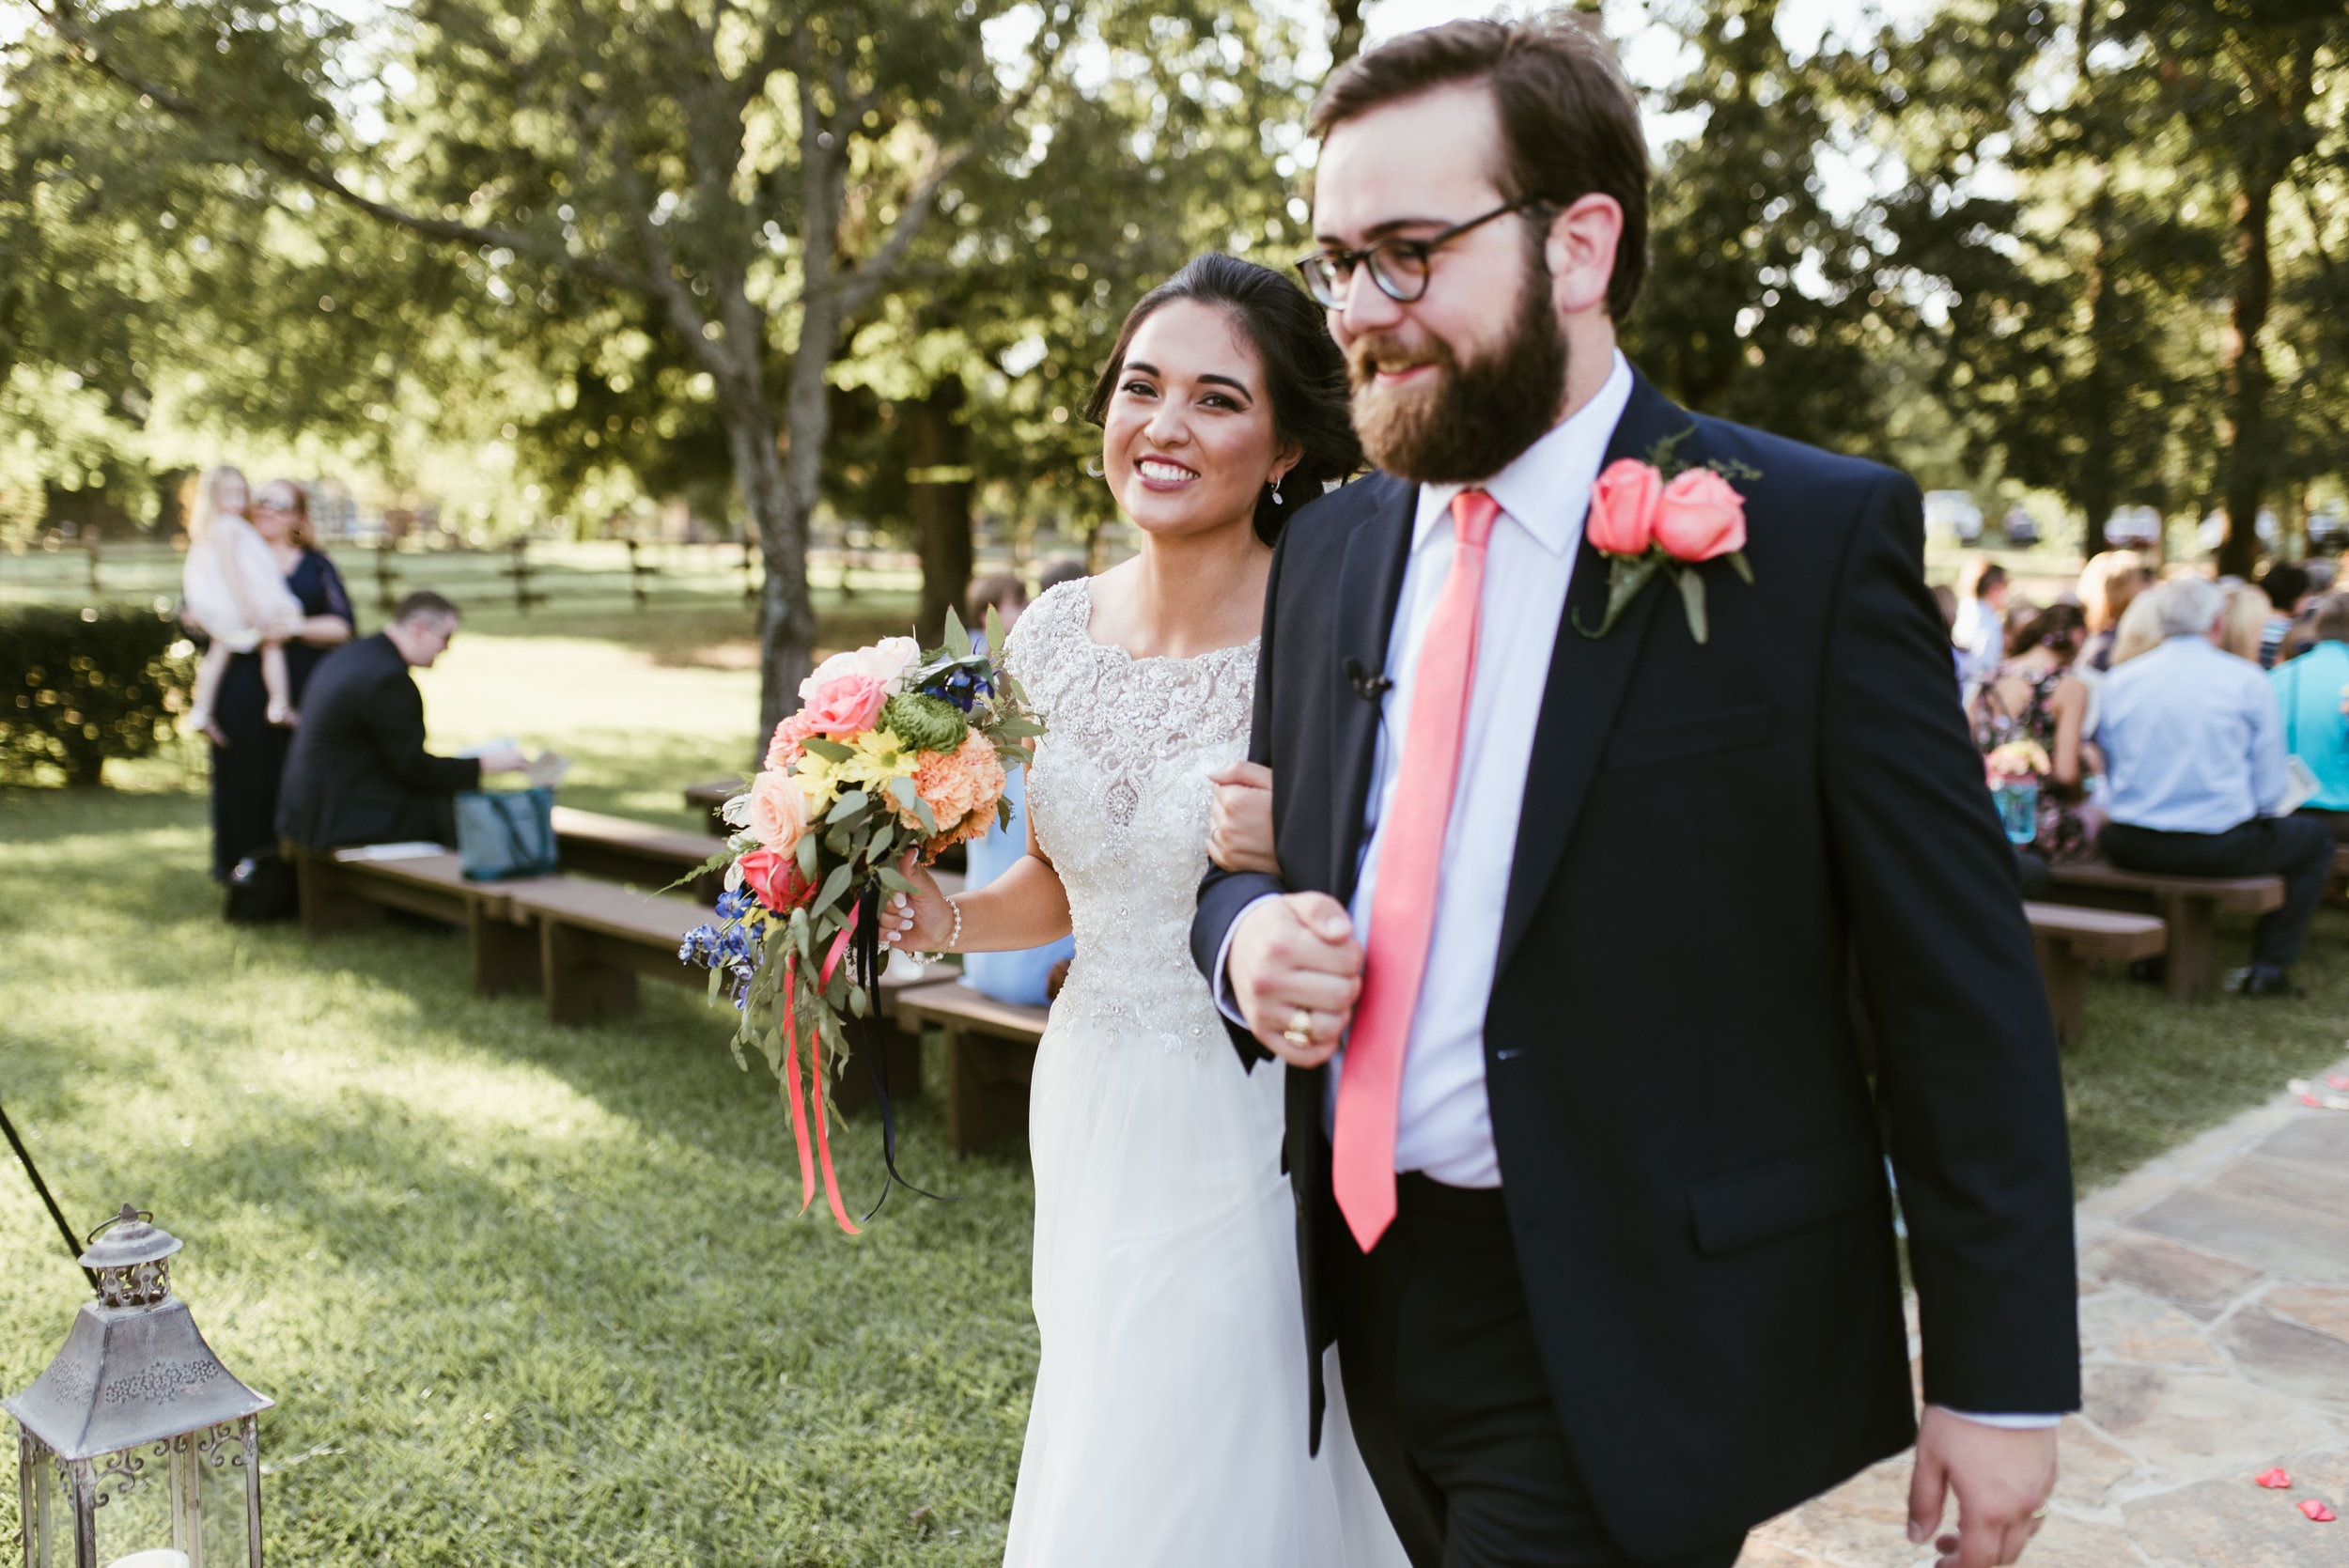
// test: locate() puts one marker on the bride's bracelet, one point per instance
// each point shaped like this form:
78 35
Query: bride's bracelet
954 942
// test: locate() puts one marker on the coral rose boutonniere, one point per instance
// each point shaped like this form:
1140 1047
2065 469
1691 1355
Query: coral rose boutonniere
1656 516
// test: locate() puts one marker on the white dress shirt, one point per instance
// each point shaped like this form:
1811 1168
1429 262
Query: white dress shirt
1444 1123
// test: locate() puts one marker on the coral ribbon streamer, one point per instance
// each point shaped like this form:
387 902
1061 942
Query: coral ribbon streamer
791 1072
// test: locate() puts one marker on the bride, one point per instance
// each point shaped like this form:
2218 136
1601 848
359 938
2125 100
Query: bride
1168 1424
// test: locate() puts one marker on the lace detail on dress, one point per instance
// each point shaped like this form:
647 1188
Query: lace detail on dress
1119 797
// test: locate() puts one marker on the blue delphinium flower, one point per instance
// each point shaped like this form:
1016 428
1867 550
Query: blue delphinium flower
735 904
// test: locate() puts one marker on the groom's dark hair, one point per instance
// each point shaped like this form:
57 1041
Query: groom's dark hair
1569 122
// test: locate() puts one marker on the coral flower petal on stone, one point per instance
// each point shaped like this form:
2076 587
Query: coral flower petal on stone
2276 1480
2318 1512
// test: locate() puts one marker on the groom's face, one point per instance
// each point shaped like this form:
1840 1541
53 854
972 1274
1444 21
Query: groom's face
1454 384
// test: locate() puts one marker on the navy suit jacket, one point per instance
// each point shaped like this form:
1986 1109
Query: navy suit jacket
1716 841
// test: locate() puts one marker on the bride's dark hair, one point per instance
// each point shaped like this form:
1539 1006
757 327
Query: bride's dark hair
1304 371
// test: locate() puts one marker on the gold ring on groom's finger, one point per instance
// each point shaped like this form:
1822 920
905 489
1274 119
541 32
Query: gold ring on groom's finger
1300 1029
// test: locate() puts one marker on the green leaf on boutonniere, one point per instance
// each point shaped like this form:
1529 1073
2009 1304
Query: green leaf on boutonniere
1693 599
1626 576
1737 558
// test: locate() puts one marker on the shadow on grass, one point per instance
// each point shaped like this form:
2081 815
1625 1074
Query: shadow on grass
524 1295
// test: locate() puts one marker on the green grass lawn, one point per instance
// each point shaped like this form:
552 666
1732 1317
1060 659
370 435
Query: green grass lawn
528 1295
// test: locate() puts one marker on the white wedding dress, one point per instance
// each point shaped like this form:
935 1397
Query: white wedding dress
1168 1426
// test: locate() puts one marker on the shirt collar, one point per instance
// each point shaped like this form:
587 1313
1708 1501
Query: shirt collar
1546 486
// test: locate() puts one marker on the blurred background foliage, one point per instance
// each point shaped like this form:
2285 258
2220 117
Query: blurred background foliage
782 259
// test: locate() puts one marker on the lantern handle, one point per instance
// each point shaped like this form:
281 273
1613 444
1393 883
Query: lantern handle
72 1247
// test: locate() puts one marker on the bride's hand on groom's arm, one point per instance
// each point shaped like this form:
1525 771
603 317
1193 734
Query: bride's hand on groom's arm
1296 967
1240 832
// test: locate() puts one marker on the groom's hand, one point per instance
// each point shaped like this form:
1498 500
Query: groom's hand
1295 964
2001 1478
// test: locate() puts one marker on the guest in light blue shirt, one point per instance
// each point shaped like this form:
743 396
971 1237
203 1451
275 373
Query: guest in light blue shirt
2312 690
2194 756
1022 977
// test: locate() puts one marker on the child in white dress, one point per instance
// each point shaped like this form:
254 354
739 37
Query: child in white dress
237 592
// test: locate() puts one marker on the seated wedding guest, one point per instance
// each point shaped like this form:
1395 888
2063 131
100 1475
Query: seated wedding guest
2287 591
2313 692
2194 746
2139 630
2109 585
2244 621
1980 631
1023 976
359 772
1002 594
1063 570
2034 696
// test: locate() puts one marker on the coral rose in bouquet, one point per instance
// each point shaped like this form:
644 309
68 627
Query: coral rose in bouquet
894 755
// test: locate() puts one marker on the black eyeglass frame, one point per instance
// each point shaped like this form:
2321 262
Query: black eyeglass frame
1423 251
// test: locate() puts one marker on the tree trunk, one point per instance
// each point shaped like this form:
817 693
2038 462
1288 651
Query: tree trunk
786 613
2248 380
937 454
2095 484
1345 31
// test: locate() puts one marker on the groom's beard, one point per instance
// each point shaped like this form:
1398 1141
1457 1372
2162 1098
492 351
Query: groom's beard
1466 421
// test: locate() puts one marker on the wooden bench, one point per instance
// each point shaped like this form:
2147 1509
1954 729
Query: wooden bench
709 798
990 1056
631 851
2189 906
2070 937
345 887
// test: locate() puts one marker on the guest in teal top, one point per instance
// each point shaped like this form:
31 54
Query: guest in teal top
2311 690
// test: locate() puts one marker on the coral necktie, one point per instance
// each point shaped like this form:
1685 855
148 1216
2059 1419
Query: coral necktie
1403 906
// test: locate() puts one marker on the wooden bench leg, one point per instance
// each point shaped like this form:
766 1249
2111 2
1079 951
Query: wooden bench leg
580 988
2190 922
327 902
2066 974
902 1053
986 1088
506 956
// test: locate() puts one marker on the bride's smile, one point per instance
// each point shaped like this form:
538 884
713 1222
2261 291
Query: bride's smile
1189 438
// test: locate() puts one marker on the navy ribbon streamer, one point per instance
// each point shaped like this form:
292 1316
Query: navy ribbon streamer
865 968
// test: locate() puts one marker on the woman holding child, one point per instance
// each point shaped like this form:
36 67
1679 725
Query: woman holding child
249 745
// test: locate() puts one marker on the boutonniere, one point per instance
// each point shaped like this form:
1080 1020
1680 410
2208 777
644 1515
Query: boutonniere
1660 517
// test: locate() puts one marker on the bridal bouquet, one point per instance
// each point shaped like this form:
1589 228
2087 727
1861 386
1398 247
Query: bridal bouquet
893 753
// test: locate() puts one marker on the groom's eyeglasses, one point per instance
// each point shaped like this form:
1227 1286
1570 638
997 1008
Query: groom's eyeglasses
1398 267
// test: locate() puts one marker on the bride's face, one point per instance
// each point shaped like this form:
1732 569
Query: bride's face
1187 443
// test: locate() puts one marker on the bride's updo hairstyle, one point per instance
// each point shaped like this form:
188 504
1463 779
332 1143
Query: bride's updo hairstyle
1303 368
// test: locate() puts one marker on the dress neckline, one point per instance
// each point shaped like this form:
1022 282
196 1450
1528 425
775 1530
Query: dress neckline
1084 630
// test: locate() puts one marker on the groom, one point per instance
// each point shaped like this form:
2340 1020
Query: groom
1593 1194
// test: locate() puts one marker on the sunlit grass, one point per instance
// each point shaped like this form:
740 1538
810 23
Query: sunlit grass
524 1294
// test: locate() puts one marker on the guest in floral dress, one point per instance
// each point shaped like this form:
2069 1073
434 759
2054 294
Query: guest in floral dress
2034 696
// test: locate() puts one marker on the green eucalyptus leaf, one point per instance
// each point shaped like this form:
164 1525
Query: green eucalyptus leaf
830 750
1692 598
848 806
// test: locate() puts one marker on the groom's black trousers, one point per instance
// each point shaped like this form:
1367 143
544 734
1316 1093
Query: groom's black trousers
1443 1383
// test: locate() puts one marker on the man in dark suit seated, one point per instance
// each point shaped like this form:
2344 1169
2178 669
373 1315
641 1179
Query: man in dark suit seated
358 772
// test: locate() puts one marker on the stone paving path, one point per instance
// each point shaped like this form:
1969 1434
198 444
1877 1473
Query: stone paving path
2214 1329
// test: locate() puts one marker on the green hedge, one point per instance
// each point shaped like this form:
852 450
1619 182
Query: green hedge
80 686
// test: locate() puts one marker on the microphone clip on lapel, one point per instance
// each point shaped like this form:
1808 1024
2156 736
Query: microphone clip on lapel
1369 685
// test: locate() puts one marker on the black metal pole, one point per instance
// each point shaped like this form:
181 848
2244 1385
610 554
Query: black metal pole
72 1246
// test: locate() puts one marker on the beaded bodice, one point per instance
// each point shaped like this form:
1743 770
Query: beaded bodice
1119 797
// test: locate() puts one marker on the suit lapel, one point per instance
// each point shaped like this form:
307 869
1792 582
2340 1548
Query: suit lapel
1370 579
1587 680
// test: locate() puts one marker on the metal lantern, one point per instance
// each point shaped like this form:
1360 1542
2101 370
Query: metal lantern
136 1439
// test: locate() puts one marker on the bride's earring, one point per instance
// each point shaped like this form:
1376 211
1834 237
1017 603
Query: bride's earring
1276 491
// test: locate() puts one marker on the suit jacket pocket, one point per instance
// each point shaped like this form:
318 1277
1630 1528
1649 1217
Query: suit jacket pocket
1760 1203
1728 729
